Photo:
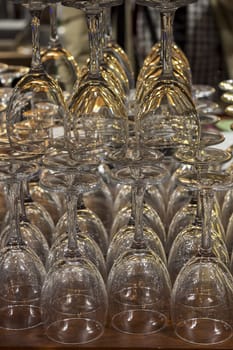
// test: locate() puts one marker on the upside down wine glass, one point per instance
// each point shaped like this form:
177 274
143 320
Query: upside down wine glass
22 272
57 61
138 283
152 68
36 112
117 50
202 296
124 227
182 207
98 116
167 113
74 299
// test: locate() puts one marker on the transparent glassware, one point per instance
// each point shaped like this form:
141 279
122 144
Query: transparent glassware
115 48
109 67
90 224
202 294
150 218
227 208
49 200
100 202
186 215
57 61
124 238
22 272
153 198
187 244
167 113
74 298
32 213
152 69
73 295
36 113
94 106
136 306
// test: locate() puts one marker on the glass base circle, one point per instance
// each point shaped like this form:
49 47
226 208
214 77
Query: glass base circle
20 317
203 331
139 321
74 330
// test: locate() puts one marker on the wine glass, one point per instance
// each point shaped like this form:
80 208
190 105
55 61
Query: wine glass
36 112
49 200
90 223
167 113
201 157
138 282
187 215
201 300
57 61
100 202
115 48
74 298
153 197
22 272
151 219
109 68
188 240
93 105
152 69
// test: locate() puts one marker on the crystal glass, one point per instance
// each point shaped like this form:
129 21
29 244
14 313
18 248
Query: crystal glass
138 282
36 112
167 113
74 298
22 272
202 294
57 61
93 105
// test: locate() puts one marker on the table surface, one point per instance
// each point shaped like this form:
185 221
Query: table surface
165 340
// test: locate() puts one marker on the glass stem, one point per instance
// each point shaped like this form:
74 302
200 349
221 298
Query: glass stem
93 24
207 198
71 200
14 190
36 63
166 41
54 41
23 215
138 190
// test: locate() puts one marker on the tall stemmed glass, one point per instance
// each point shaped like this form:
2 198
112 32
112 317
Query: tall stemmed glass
182 207
202 296
152 66
74 299
22 272
167 113
57 61
114 48
36 112
98 116
138 282
124 230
